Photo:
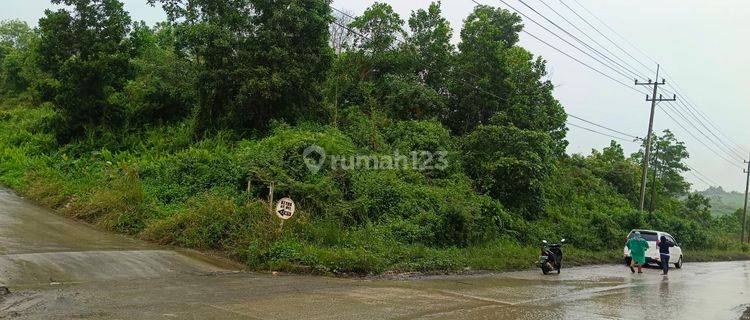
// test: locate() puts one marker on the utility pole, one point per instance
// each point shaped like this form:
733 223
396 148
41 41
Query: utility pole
653 181
653 101
744 210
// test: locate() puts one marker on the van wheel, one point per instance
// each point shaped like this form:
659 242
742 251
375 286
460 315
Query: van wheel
678 264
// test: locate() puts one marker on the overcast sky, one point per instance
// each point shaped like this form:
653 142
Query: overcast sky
701 44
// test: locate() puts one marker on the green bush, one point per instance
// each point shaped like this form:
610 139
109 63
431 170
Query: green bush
177 177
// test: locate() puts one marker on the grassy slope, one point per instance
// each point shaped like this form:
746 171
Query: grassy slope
126 192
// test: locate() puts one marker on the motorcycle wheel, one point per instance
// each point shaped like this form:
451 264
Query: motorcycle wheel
545 269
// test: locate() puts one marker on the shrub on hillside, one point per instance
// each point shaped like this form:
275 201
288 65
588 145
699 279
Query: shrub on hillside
176 178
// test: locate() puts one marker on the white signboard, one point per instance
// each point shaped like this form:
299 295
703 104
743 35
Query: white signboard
285 208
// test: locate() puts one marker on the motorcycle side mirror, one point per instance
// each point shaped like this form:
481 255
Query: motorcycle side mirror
563 240
544 241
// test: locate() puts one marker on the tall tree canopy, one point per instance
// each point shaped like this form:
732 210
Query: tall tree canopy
494 77
83 49
379 29
668 162
480 70
257 60
16 65
14 35
163 88
620 172
430 38
501 100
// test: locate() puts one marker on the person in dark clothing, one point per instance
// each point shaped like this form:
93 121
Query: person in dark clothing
664 246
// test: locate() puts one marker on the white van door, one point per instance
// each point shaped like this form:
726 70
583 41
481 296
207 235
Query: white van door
674 252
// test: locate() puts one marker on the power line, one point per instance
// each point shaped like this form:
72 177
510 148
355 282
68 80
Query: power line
598 132
688 106
731 153
722 145
556 48
613 31
689 122
718 154
581 62
552 22
556 25
604 127
701 141
712 183
571 35
736 147
701 179
586 34
559 37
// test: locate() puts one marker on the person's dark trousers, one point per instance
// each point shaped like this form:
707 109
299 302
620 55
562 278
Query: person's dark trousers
665 263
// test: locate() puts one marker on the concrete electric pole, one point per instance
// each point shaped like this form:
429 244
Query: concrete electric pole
653 101
653 180
744 209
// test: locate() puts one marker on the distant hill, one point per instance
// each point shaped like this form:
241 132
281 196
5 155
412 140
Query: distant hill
723 202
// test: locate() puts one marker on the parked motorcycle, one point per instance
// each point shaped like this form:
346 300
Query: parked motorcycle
551 257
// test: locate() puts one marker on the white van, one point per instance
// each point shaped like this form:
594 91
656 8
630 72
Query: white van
652 254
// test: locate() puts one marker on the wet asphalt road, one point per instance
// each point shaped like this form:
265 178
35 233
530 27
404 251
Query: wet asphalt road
61 269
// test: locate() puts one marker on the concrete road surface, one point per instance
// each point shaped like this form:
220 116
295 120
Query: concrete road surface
60 269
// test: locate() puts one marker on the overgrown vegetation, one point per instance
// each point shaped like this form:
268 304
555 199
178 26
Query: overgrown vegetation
173 133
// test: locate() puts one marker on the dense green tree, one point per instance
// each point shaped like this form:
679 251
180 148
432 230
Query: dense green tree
163 88
530 104
480 70
257 60
380 72
667 161
16 59
83 49
494 78
430 38
385 69
378 30
378 51
621 173
14 35
513 124
698 208
510 164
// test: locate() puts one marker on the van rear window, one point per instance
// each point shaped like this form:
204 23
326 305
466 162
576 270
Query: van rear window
649 236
